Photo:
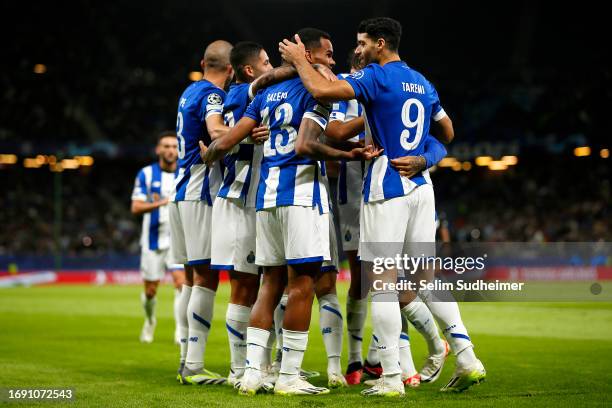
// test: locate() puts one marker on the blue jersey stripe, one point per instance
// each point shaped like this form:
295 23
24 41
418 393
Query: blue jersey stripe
286 185
156 178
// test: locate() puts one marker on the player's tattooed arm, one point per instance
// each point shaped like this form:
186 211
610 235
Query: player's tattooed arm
339 130
308 144
320 88
409 166
274 76
284 73
220 146
141 207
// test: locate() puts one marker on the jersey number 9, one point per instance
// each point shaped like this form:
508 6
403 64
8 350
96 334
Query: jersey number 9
416 125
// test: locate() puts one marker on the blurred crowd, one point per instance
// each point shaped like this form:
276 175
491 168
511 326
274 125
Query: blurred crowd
537 200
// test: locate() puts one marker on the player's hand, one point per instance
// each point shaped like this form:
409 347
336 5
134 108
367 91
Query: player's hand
260 134
365 153
409 166
203 150
162 202
292 52
325 72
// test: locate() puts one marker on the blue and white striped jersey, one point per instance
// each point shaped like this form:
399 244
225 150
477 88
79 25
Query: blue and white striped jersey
286 178
153 184
197 181
398 103
344 111
350 177
242 164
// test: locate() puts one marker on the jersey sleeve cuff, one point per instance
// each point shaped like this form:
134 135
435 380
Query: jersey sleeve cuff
441 114
339 116
317 119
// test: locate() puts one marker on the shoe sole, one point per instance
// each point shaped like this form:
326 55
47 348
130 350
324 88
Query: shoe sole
393 394
291 394
476 381
437 374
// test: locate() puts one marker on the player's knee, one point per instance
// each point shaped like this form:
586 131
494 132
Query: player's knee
300 294
151 292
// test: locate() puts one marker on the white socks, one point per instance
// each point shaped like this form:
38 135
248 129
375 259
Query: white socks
199 315
279 316
406 362
149 307
182 321
356 312
421 318
372 356
236 322
175 310
330 321
387 322
449 318
294 345
257 339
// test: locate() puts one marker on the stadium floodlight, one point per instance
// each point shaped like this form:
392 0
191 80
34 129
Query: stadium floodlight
582 151
84 160
8 158
466 166
40 68
70 164
483 160
497 165
509 160
31 163
604 153
56 168
195 76
447 162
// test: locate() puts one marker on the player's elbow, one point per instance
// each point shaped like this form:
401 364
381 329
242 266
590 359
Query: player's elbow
134 209
302 147
322 95
448 135
334 132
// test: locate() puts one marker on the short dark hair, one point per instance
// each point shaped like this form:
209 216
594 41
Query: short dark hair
353 60
243 54
311 37
165 133
383 27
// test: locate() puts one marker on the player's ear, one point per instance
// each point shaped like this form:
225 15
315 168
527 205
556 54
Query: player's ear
380 44
248 70
202 64
309 56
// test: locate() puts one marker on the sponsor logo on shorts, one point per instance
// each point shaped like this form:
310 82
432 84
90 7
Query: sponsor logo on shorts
251 257
348 236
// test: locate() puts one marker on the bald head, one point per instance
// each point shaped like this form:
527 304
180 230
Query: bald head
217 55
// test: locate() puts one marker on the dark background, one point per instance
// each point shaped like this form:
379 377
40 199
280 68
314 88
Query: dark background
528 78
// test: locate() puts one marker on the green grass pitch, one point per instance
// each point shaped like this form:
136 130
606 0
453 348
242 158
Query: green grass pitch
86 338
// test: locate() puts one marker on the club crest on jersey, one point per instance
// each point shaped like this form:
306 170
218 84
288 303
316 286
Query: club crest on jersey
348 236
214 99
357 75
251 257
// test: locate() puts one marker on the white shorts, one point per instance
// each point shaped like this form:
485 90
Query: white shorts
406 220
233 236
155 263
350 196
190 227
334 262
291 235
